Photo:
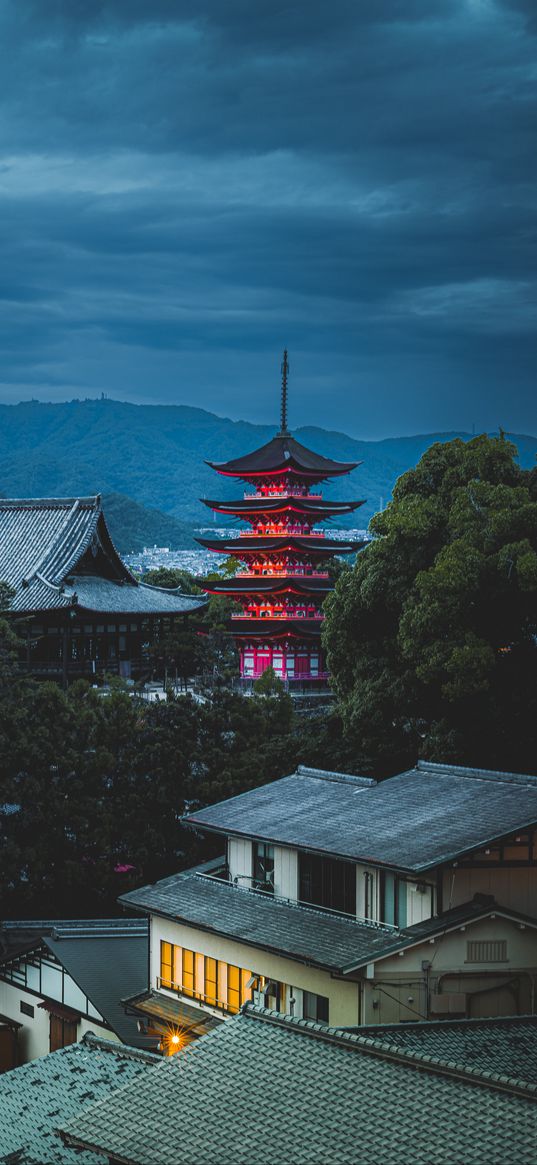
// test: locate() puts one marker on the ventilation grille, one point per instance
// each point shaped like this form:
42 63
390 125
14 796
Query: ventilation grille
487 952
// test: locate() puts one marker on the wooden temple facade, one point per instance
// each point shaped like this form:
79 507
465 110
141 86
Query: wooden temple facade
283 579
76 605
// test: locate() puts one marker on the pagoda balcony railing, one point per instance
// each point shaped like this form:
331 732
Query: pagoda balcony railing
280 615
296 530
281 574
288 492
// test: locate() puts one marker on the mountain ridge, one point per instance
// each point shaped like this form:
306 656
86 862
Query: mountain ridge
155 454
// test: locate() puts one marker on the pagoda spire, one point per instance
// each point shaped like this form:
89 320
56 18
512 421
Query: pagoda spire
284 432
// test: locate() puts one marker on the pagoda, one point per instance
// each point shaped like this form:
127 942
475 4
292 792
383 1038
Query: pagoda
283 579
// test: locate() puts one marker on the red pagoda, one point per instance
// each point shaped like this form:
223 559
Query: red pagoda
283 580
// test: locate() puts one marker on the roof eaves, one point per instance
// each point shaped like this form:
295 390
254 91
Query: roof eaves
451 856
407 940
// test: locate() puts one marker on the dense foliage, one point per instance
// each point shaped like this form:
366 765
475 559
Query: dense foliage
93 786
432 637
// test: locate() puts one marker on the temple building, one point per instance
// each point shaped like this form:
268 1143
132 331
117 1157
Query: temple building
283 579
77 606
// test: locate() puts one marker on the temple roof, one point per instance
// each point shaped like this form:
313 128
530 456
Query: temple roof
283 455
308 544
316 507
272 585
57 553
277 628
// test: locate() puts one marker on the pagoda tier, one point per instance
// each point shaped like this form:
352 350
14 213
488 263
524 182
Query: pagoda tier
281 585
309 547
271 511
283 459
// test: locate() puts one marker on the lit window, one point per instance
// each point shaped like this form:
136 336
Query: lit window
211 981
233 989
187 984
166 965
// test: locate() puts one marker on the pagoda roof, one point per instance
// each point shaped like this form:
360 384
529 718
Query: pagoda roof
317 507
276 628
309 544
283 454
272 585
57 553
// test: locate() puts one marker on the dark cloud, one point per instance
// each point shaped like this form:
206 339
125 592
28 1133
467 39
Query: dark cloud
190 184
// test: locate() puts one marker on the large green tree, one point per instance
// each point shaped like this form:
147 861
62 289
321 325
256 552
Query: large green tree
432 638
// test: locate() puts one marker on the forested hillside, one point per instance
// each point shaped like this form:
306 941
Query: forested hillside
156 454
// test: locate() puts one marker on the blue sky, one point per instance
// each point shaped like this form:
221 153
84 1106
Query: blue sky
189 185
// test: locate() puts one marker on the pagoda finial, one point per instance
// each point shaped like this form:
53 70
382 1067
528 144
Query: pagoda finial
284 432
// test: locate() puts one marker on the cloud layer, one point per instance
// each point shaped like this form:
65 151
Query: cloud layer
188 186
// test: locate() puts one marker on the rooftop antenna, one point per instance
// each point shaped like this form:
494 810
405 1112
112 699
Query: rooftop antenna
284 432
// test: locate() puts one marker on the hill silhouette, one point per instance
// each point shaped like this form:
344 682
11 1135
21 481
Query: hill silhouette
155 454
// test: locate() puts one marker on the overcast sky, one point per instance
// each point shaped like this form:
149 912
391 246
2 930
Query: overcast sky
189 185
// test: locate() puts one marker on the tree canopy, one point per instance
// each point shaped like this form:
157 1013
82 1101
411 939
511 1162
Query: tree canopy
432 637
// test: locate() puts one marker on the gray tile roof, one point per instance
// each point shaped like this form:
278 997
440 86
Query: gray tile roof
265 1089
39 1097
332 941
413 821
41 542
106 958
313 936
506 1045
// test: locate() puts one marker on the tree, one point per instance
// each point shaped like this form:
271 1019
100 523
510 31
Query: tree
432 638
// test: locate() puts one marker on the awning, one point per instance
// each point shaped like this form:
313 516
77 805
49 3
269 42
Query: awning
164 1012
59 1010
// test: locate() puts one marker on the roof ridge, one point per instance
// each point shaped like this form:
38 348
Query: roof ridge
392 1051
42 503
333 775
91 1040
500 776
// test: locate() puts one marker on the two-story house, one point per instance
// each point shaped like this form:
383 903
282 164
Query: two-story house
347 901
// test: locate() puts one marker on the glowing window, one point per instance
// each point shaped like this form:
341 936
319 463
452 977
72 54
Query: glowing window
233 989
166 964
187 984
211 981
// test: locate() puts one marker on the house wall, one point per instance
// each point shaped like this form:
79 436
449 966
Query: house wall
343 996
33 1037
514 887
240 860
400 987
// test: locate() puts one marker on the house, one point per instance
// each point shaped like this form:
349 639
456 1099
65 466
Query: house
344 901
38 1097
265 1087
59 980
79 609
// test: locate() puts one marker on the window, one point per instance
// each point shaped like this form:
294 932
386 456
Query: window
264 867
487 952
315 1007
211 981
27 1009
233 989
166 964
187 984
327 882
393 899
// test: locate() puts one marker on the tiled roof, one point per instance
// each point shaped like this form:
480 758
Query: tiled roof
107 959
312 936
42 1095
283 452
505 1045
41 542
265 1088
333 941
414 821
